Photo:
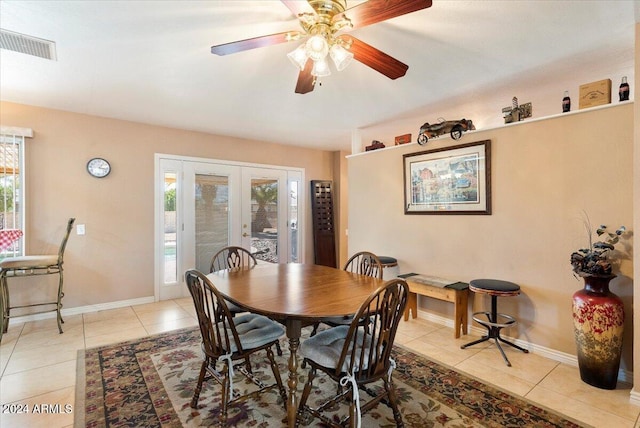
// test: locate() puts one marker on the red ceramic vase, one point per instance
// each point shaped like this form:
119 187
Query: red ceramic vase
598 322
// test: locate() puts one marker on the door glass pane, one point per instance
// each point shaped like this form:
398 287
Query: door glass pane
170 229
293 220
212 217
264 219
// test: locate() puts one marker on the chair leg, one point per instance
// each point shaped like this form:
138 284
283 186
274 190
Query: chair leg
59 303
305 395
315 329
1 310
4 322
352 414
276 375
227 393
196 394
482 339
393 402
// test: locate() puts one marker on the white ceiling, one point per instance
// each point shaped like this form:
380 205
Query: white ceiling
150 62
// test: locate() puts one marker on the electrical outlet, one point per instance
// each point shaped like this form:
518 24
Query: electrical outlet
80 229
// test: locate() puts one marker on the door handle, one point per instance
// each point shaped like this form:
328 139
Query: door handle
245 234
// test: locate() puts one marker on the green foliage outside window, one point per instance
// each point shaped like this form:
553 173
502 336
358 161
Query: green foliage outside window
6 198
170 200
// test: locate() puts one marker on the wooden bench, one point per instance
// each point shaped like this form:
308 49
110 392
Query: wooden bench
455 292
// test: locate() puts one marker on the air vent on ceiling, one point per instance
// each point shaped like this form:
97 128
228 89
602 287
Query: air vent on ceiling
27 44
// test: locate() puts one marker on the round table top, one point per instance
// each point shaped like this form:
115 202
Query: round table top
298 291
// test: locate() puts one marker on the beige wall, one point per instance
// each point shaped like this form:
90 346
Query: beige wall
545 174
114 260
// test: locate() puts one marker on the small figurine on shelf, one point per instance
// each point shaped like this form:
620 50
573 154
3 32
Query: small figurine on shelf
624 89
566 102
375 145
516 112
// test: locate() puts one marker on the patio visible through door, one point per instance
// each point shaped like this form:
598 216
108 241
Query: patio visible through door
203 206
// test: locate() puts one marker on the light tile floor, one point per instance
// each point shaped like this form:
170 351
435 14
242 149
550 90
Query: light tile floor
38 366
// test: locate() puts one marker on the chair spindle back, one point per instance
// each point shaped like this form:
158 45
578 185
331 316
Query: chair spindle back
365 263
219 335
367 349
232 257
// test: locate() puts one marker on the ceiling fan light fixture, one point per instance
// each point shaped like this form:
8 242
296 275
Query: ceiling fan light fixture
340 56
321 68
317 47
298 56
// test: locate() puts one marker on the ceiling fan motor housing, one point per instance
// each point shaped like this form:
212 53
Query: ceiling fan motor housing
329 8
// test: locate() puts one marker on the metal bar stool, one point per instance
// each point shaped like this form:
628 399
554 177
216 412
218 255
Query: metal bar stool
494 321
389 266
33 265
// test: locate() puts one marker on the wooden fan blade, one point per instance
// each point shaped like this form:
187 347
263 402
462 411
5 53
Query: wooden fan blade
256 42
370 12
376 59
298 7
306 82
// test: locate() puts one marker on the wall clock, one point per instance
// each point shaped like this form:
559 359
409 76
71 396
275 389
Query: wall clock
98 167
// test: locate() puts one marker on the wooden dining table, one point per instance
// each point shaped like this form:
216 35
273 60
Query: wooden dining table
297 295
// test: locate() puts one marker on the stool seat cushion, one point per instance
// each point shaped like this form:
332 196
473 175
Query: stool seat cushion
494 287
388 261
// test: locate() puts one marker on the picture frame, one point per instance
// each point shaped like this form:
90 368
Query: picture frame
449 180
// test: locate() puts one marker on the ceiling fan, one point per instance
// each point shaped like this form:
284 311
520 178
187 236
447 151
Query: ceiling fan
324 24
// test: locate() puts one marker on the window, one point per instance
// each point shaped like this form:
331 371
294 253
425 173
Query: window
12 187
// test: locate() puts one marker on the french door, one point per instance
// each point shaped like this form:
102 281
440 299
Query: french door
205 205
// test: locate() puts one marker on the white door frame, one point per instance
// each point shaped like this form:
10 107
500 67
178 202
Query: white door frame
291 174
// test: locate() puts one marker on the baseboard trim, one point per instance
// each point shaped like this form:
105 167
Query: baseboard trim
562 357
84 309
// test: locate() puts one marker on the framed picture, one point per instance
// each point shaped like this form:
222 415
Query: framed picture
450 180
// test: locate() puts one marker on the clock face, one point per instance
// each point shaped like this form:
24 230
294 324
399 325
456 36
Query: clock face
98 167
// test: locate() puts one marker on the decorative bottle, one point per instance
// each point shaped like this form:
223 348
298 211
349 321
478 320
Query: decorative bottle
624 89
566 102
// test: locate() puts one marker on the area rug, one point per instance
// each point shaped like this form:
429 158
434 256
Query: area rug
149 383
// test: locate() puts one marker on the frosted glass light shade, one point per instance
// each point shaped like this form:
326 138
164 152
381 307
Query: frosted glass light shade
317 48
320 68
298 56
340 56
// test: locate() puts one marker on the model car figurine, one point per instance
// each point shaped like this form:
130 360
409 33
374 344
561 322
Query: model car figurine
454 127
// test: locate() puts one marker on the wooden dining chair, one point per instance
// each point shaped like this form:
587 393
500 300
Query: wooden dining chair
362 263
355 356
365 263
33 265
232 257
235 257
226 339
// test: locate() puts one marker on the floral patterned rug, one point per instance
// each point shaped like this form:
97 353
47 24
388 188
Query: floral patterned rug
149 383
